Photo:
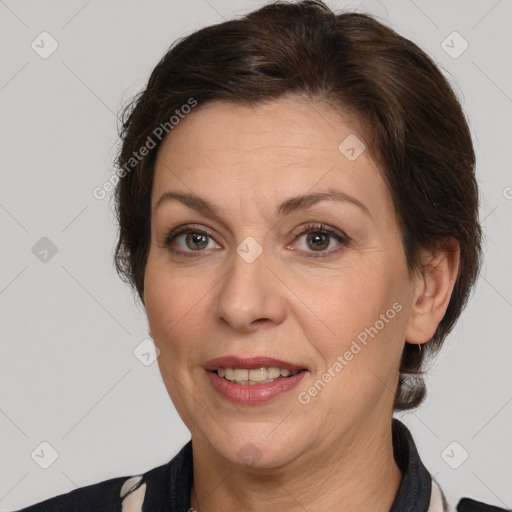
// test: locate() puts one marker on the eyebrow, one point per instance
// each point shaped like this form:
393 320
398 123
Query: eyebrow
292 204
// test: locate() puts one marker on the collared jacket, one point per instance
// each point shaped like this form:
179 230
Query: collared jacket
167 487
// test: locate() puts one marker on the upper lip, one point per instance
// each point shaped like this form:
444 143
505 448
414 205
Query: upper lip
250 363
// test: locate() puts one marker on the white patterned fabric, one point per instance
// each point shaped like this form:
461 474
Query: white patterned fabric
133 494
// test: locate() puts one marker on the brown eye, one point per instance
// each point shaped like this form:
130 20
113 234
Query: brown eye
318 238
196 241
318 241
188 241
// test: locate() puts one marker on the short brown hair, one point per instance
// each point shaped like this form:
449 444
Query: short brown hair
415 130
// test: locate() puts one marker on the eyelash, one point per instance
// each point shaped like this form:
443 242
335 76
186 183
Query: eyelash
316 228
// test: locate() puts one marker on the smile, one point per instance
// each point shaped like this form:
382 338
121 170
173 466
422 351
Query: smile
252 380
254 376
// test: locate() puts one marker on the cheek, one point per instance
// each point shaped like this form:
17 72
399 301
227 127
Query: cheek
357 314
172 306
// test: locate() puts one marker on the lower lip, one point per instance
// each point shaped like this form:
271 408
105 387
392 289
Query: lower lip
252 394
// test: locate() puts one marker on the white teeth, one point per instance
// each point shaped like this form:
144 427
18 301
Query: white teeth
273 372
240 374
258 374
255 375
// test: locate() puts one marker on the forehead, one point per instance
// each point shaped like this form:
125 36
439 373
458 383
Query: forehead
288 145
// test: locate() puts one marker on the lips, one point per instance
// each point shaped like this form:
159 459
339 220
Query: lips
251 363
252 393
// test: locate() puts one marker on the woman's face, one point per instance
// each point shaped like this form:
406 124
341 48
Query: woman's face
275 273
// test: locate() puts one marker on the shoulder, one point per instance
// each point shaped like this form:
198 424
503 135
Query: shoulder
165 487
469 505
101 497
106 496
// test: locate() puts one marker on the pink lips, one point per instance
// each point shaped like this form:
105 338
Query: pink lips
252 394
249 363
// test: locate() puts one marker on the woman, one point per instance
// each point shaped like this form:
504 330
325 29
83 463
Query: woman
298 213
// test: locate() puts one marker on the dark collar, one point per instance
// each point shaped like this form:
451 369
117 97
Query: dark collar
413 494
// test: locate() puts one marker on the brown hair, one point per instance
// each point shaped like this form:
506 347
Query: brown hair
415 129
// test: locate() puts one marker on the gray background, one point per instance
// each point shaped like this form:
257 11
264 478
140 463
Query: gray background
69 325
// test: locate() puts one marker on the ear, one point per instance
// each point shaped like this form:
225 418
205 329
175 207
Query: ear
432 289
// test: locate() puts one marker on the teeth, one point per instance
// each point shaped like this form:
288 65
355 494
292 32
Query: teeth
258 374
253 376
273 372
240 375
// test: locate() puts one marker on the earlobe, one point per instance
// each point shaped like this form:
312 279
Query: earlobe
432 291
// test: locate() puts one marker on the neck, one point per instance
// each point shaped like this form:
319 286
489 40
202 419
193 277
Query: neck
356 473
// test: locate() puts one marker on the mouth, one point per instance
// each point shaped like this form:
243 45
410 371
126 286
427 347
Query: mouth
262 375
253 380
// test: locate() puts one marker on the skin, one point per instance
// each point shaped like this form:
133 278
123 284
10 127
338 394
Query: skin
334 452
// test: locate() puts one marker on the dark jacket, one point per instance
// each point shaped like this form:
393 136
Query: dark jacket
167 487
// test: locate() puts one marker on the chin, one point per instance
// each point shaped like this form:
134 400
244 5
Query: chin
252 447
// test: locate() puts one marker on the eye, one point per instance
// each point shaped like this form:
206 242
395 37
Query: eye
189 241
317 238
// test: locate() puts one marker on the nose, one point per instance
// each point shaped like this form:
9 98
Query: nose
251 295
